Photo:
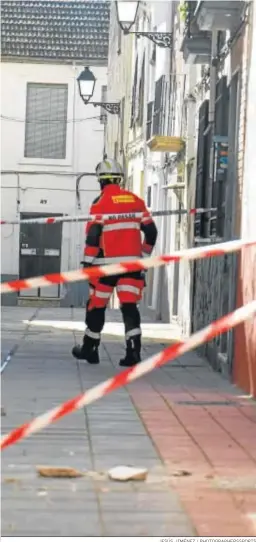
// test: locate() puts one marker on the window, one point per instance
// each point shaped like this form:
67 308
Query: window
149 200
142 185
103 115
129 183
116 150
153 50
141 95
158 106
154 197
221 40
119 40
122 126
202 175
134 94
46 121
153 56
220 158
211 193
149 120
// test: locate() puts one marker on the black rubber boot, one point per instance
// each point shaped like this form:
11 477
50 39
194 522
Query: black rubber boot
88 351
132 356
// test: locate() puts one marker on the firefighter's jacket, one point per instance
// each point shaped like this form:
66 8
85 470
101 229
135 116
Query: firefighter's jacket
114 240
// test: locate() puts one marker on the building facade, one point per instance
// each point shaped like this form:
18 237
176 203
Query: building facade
244 366
187 149
51 141
221 113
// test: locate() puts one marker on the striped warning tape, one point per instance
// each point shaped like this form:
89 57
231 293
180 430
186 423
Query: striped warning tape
122 268
86 218
125 377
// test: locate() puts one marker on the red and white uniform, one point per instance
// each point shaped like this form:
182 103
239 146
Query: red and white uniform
118 240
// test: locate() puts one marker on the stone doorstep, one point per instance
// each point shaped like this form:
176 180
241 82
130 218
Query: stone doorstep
154 332
38 302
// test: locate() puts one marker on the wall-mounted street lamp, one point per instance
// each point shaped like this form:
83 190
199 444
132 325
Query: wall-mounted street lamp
126 16
86 84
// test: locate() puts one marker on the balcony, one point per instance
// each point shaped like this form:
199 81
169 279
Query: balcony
196 44
218 14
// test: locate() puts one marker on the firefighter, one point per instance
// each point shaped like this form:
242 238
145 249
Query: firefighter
115 241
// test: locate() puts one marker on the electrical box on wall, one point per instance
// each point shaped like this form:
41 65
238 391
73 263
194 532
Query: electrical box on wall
219 184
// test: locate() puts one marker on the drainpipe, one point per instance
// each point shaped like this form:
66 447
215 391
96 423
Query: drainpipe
211 126
78 179
104 139
18 195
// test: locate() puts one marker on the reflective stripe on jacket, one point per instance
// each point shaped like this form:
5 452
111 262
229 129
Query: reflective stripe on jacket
118 240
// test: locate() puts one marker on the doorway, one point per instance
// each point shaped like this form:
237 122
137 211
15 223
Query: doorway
40 253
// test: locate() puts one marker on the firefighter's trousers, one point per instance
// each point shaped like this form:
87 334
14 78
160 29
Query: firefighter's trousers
129 289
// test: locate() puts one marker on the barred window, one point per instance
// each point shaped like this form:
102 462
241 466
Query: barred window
150 108
158 107
46 121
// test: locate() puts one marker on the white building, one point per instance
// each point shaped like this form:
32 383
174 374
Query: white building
186 144
49 136
147 100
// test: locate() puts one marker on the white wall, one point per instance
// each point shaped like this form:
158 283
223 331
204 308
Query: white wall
59 192
85 140
161 13
119 84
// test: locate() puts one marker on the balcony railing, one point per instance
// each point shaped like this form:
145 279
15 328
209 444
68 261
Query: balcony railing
189 12
218 14
196 45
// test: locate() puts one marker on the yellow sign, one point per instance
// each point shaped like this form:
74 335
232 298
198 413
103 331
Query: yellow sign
124 198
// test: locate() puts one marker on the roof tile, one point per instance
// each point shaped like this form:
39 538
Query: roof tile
55 29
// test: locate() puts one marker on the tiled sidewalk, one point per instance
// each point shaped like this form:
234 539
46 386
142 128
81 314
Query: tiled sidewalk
192 430
204 426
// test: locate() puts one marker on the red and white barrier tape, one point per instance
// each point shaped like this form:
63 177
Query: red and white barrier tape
113 216
125 377
122 268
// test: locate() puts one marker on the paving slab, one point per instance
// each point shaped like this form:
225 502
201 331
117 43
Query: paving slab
40 375
194 431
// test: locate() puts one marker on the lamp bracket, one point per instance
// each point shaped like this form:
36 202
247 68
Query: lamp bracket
111 107
162 39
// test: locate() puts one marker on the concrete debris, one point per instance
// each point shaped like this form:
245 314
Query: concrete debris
180 473
95 475
12 481
58 472
42 493
125 474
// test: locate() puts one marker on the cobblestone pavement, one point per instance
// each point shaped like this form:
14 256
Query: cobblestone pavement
194 431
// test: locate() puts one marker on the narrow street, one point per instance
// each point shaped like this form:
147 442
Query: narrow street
194 431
